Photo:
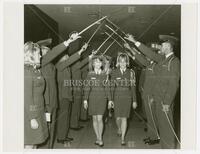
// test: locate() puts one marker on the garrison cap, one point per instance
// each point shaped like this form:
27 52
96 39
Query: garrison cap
45 42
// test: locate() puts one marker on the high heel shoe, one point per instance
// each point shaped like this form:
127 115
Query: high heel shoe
101 144
123 143
96 142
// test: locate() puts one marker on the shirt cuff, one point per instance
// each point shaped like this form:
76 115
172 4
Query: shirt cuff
137 44
66 43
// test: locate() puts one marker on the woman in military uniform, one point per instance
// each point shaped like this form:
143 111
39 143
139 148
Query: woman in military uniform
123 93
35 125
96 94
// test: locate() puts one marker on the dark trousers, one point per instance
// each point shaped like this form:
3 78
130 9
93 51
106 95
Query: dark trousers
52 127
167 137
63 119
150 111
76 109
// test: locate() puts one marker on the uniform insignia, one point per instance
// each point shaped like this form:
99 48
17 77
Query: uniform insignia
118 78
93 78
39 77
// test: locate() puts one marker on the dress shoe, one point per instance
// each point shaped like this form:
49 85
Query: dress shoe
77 128
61 141
64 140
146 139
69 139
152 142
84 120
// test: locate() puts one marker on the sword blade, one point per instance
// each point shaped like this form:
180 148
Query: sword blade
96 22
115 26
114 40
116 33
108 47
94 33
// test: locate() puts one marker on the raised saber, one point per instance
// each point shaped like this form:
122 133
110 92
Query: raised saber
104 42
116 26
114 40
108 47
119 44
96 22
116 33
170 124
94 33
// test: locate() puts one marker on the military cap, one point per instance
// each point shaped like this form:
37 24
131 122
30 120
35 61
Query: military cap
168 38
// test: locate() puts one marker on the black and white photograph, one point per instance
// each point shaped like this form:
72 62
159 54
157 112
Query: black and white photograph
102 76
99 76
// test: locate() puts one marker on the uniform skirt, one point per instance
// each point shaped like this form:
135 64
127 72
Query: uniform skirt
97 104
122 103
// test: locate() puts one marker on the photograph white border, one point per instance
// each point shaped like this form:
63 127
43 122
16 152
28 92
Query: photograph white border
13 81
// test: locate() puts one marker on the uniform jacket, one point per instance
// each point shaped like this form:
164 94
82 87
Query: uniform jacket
100 90
64 77
168 75
50 93
34 85
150 53
77 75
119 87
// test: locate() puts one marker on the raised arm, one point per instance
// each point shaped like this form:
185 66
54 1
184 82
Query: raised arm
71 59
57 50
139 58
145 50
62 65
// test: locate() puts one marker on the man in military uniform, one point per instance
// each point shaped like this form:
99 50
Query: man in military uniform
167 72
50 96
65 94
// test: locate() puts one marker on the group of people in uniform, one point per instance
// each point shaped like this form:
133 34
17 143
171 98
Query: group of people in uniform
53 100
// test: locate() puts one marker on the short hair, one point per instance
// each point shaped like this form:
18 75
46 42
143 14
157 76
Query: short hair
122 56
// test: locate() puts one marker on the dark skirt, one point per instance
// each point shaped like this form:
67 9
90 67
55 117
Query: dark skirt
122 104
97 104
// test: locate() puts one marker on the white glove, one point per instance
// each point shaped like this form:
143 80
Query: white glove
34 124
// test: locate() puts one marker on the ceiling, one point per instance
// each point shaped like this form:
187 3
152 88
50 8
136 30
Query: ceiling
145 22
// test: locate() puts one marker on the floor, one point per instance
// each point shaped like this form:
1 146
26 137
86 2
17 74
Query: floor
85 138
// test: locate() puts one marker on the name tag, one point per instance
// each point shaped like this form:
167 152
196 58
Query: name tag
39 77
93 78
118 78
